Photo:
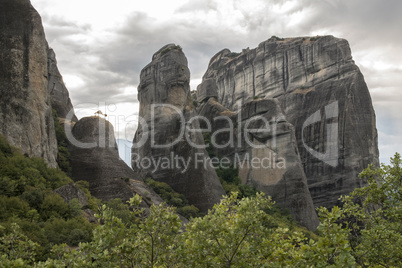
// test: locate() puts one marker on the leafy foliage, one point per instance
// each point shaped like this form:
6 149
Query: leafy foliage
30 210
374 216
93 202
16 249
237 232
174 199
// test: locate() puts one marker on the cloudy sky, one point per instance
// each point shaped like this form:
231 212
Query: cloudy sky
101 46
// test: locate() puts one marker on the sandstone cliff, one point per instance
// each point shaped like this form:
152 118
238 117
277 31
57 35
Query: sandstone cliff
322 94
25 108
95 159
161 134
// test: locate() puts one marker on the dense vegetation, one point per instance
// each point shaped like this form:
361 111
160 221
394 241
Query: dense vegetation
38 228
31 211
172 198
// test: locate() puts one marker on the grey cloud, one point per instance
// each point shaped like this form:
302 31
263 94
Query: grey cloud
199 6
59 28
141 37
370 26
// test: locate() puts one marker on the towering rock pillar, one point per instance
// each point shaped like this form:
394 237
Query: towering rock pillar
25 109
322 94
163 148
263 147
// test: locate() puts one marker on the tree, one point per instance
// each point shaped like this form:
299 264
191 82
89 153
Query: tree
149 243
374 216
229 235
16 249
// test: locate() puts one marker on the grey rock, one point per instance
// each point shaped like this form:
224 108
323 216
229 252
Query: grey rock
25 108
207 89
308 75
70 191
165 82
95 159
89 214
59 94
266 156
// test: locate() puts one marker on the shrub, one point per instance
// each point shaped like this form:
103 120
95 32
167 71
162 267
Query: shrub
54 206
5 148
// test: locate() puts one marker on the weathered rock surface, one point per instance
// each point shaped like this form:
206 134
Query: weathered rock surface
95 159
315 80
25 109
165 83
59 94
207 89
266 155
70 191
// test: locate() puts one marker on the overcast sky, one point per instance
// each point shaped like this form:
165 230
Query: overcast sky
101 46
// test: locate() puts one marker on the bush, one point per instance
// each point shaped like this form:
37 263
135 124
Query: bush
5 148
27 199
54 206
121 211
34 198
12 207
189 212
173 198
93 202
71 231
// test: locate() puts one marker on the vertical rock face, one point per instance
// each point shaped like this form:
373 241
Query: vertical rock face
25 109
162 148
59 94
322 94
95 159
263 148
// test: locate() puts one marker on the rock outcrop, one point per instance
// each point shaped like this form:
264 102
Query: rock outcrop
261 144
322 94
25 107
72 191
163 148
95 158
59 94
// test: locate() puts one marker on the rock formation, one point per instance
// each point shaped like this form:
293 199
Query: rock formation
322 94
95 159
163 148
59 94
72 191
25 114
264 149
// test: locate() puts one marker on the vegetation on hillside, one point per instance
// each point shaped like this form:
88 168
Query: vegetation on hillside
172 198
29 209
37 228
